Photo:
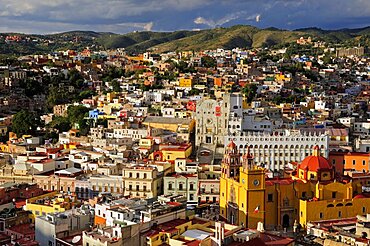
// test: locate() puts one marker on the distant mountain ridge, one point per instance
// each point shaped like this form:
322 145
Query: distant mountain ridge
243 36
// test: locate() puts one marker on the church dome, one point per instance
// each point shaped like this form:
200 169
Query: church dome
315 162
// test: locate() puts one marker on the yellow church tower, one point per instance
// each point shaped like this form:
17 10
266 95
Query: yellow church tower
242 189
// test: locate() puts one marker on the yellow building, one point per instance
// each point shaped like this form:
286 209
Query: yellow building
49 203
186 82
141 181
282 77
111 96
312 193
168 152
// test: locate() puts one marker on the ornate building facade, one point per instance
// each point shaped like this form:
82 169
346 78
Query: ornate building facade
275 149
312 192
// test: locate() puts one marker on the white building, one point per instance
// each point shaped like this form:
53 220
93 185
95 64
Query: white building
362 145
361 128
182 184
276 149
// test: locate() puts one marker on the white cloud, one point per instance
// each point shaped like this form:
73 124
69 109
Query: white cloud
226 19
44 27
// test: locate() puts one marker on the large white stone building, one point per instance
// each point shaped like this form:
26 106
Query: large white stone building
276 149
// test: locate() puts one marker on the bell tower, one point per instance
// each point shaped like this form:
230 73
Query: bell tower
247 161
252 178
231 162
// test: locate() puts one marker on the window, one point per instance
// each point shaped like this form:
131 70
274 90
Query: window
339 214
333 162
363 210
180 186
137 187
334 194
303 194
321 216
208 139
191 187
130 175
170 186
144 188
191 197
270 197
363 162
354 162
144 175
130 187
137 175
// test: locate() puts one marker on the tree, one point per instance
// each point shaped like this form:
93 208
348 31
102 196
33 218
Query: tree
31 87
76 115
193 92
116 86
208 62
85 95
113 73
56 96
25 122
75 78
250 91
62 124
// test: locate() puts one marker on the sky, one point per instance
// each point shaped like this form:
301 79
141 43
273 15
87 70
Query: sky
122 16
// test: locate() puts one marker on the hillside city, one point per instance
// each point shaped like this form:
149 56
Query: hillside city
234 147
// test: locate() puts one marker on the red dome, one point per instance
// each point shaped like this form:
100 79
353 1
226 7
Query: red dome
359 196
315 163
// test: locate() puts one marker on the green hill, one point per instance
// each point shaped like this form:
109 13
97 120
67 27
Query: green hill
236 36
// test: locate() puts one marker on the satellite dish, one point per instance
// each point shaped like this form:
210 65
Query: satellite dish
76 239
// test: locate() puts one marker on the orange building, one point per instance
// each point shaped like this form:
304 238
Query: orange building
218 81
355 161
